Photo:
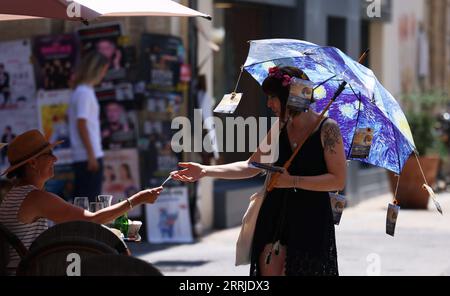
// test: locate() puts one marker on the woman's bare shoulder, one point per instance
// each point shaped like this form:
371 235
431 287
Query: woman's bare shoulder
331 135
38 199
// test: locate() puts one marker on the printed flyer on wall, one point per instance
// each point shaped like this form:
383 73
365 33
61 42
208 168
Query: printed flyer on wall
168 219
54 123
121 176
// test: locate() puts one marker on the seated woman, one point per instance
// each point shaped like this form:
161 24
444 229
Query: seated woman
27 206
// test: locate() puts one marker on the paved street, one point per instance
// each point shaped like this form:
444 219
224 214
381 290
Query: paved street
421 245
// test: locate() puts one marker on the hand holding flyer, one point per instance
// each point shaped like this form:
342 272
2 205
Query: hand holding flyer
165 181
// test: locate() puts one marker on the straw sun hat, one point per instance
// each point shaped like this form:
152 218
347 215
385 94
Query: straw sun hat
26 147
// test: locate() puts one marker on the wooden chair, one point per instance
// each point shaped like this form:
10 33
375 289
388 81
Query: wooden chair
84 229
53 259
7 240
117 265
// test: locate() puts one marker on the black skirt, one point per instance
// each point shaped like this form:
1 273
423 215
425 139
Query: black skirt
301 220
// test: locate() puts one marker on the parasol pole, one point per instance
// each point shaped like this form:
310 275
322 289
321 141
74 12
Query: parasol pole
302 141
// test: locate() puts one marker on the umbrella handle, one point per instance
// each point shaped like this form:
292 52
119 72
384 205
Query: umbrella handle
302 141
363 56
344 83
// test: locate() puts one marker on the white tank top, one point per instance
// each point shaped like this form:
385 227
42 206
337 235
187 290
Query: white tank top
27 233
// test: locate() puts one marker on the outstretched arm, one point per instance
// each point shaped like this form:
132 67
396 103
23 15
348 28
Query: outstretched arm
47 205
191 171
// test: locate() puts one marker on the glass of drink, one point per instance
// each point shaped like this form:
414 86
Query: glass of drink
81 202
105 200
95 206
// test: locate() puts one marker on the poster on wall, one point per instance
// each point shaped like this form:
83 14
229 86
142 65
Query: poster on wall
168 104
17 93
13 123
55 57
108 40
54 122
17 85
162 57
155 135
157 154
121 176
168 219
118 124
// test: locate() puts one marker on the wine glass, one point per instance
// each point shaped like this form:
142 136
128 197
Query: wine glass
95 206
105 200
81 202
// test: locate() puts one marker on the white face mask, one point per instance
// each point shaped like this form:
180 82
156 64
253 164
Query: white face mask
298 104
300 95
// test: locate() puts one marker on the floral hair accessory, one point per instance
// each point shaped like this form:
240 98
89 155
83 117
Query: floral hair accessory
276 73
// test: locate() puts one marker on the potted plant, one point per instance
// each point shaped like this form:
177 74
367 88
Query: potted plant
422 114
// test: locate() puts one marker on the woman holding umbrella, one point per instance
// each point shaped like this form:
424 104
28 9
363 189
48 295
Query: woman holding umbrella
294 232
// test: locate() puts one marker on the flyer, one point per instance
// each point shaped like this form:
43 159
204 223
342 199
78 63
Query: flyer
168 219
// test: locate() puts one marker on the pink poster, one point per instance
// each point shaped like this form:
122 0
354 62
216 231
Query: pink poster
121 176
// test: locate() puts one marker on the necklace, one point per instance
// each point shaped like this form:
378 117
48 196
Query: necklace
293 143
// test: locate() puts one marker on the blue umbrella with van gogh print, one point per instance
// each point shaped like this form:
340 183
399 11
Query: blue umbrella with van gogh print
363 106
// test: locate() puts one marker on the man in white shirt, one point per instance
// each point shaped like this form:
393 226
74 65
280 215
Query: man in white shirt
84 123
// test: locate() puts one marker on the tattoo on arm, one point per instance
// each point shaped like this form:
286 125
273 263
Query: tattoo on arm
331 137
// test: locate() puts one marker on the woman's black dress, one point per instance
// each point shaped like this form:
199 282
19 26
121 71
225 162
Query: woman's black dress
302 220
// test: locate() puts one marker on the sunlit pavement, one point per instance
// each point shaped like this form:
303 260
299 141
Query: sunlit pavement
421 245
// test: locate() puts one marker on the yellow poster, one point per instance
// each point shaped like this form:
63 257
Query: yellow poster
54 121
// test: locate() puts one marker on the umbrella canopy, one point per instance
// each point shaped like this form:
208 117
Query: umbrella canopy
11 17
364 103
87 10
140 8
58 9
